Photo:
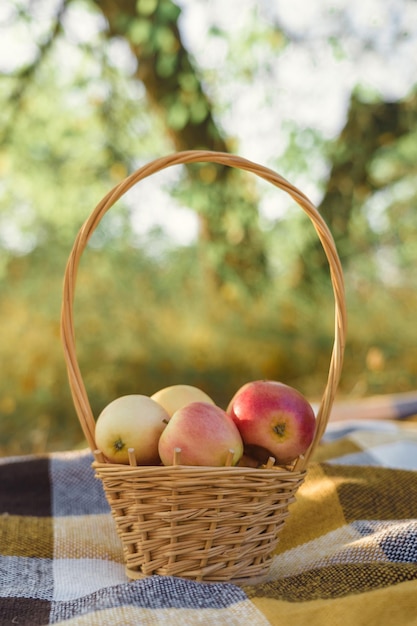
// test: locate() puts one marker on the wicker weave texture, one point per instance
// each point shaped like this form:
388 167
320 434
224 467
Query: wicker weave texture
200 523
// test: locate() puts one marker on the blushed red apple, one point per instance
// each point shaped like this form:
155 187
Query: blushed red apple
273 419
132 421
204 433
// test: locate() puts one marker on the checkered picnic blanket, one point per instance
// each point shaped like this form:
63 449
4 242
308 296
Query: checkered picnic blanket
347 553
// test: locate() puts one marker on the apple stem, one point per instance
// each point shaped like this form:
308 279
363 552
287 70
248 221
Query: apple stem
132 457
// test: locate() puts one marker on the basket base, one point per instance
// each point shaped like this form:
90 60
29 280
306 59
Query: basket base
241 582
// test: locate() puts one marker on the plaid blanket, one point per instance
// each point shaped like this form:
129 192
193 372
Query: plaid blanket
347 553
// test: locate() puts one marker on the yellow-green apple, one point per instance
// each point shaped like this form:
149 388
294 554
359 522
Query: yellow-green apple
273 419
176 396
204 433
132 421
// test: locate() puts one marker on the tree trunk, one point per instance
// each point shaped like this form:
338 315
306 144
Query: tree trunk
369 127
174 90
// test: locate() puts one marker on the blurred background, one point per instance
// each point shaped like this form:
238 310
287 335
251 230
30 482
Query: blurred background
203 275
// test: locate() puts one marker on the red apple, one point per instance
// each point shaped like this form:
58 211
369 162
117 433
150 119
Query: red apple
132 421
273 419
204 433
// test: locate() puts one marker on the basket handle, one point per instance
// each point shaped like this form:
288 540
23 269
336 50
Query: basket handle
78 390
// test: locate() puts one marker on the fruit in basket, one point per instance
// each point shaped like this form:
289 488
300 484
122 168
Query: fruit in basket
132 421
176 396
273 419
204 433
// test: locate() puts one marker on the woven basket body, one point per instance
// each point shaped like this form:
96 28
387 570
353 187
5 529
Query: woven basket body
203 523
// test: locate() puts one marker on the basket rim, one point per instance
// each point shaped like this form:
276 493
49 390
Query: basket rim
276 471
78 390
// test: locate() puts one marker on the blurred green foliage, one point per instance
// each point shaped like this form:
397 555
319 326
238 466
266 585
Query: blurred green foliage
151 311
144 323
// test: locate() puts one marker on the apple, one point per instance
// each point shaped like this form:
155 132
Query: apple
204 433
273 419
132 421
176 396
247 461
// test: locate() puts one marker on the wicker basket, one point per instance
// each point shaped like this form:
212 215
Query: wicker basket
202 523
